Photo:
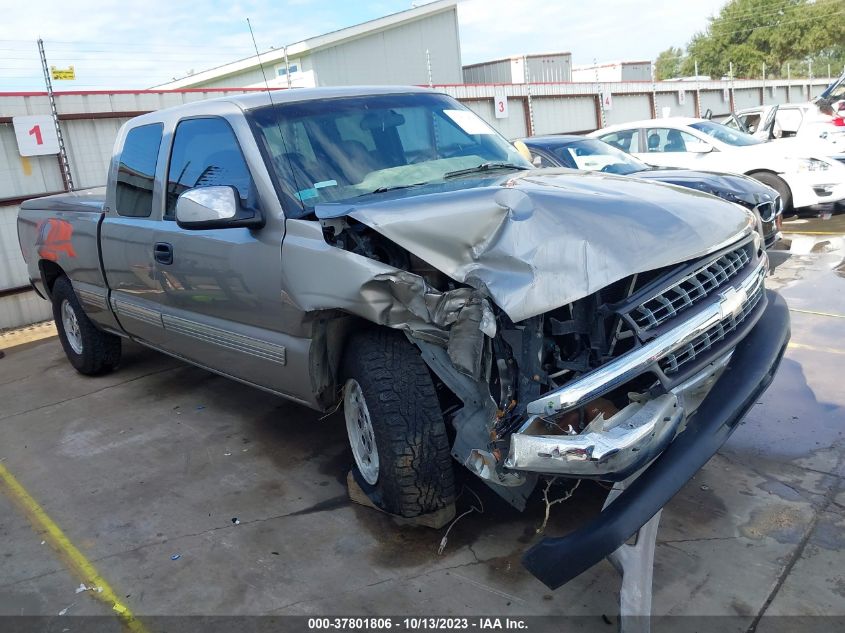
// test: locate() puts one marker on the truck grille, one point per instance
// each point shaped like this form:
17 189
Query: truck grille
691 289
701 344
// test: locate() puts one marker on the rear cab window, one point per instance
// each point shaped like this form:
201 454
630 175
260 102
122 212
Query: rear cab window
136 171
206 153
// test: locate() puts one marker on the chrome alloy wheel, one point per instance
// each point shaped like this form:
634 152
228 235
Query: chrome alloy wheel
359 427
71 327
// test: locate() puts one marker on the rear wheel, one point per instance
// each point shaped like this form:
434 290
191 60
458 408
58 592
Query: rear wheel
90 350
778 184
395 426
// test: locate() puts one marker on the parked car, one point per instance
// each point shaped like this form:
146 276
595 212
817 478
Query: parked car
801 179
384 249
592 154
832 100
802 121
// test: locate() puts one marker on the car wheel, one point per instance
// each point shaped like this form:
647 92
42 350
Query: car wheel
395 427
90 350
778 184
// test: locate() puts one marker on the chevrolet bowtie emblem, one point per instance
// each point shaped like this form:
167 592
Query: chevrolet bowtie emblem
732 301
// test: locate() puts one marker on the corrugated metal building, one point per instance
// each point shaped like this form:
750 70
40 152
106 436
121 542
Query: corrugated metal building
416 46
520 69
89 122
613 71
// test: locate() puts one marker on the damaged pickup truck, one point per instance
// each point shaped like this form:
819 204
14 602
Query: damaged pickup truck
386 249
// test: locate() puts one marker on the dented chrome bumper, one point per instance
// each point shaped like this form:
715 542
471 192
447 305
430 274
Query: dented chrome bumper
616 447
621 444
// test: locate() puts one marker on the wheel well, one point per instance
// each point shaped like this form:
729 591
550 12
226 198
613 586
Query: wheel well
762 171
50 271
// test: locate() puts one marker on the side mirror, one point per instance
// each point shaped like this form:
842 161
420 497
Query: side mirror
214 208
537 161
699 148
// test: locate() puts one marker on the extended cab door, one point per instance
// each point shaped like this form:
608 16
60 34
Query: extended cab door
221 300
127 234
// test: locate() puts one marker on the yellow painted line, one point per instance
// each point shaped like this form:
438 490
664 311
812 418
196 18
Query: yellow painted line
813 348
37 332
74 560
815 312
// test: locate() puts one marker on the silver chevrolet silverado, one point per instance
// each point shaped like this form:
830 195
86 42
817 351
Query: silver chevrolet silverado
385 249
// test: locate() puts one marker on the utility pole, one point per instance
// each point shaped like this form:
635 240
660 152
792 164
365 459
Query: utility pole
63 161
287 66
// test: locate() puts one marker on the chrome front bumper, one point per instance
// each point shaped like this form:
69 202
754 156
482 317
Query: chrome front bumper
628 440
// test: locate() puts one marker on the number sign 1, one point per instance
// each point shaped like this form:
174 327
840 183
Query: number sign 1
36 135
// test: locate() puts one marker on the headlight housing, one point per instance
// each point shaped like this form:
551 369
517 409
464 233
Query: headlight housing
812 164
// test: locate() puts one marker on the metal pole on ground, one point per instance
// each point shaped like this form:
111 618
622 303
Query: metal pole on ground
635 563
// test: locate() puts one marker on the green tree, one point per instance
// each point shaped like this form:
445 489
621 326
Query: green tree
668 63
750 33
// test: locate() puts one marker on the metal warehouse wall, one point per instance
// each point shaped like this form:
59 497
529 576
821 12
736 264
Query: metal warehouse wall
90 121
498 72
394 56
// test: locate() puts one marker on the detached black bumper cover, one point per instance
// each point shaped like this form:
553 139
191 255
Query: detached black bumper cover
556 561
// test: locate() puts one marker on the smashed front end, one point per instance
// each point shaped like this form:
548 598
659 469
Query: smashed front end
572 341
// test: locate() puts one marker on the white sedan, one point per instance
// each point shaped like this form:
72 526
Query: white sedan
802 178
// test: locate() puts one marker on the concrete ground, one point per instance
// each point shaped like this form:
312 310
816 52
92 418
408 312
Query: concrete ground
191 494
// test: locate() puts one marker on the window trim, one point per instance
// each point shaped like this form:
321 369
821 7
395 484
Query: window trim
173 133
119 162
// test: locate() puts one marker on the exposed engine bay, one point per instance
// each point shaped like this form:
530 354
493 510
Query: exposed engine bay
491 369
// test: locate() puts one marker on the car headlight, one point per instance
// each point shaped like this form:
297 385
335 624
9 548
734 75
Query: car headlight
756 226
812 164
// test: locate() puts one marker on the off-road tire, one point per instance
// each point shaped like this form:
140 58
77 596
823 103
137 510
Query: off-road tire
100 352
778 184
415 468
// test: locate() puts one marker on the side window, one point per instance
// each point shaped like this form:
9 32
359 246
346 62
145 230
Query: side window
626 140
540 159
205 153
751 121
136 171
669 140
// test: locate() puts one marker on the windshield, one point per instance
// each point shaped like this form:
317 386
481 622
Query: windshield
595 155
339 149
725 134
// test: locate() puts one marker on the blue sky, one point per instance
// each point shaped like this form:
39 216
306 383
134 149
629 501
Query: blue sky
133 44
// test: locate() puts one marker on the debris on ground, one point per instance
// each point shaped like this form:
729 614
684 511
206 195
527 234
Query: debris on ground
236 520
81 588
472 508
176 557
549 504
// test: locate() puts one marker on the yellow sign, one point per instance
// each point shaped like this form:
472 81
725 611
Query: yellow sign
60 74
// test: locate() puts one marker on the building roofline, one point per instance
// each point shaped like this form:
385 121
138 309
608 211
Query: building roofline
608 64
512 57
314 43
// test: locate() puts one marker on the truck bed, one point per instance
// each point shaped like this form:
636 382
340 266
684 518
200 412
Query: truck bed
85 200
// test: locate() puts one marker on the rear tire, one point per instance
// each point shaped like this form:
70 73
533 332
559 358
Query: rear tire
90 350
778 184
395 426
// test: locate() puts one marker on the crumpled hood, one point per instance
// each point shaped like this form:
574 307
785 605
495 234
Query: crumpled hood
728 186
541 239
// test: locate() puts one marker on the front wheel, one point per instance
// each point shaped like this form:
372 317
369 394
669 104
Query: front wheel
395 426
90 350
